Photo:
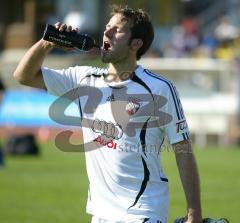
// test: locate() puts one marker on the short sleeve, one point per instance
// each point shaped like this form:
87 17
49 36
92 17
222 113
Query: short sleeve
176 129
61 81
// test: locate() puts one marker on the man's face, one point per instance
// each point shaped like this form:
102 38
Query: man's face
116 37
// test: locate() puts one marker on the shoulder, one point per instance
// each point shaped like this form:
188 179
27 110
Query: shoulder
89 71
79 73
157 81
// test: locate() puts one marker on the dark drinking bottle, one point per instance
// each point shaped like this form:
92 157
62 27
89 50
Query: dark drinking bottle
69 39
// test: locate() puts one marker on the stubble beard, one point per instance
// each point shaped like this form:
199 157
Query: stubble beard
105 58
113 57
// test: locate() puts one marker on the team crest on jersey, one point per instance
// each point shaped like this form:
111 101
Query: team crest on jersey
132 106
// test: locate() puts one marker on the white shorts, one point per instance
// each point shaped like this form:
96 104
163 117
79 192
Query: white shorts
136 220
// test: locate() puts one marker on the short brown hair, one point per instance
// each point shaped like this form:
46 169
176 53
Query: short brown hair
141 26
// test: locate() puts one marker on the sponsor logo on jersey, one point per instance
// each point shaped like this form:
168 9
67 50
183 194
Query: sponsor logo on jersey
181 126
110 144
132 106
108 129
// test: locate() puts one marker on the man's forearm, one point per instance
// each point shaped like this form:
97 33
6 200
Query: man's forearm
190 179
28 71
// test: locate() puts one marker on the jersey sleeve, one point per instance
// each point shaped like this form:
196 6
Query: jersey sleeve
61 81
175 127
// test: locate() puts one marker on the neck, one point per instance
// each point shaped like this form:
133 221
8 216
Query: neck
122 71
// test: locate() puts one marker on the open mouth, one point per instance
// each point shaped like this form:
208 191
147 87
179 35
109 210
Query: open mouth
106 45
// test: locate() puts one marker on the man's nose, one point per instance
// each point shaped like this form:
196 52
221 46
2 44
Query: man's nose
108 32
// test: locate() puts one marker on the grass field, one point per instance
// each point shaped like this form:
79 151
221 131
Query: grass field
52 188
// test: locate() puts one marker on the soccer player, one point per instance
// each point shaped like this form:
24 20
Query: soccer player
133 110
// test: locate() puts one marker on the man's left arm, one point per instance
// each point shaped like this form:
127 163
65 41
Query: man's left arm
188 172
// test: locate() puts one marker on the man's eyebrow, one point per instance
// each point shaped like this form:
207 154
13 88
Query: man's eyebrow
124 19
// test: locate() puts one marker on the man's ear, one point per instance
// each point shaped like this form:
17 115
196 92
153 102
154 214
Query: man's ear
136 44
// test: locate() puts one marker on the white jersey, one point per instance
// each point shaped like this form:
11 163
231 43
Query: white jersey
124 126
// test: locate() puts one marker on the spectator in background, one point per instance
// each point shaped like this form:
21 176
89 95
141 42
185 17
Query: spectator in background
185 38
190 26
226 31
208 46
225 34
191 34
177 48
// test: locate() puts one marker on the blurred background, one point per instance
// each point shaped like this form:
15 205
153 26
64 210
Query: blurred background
197 45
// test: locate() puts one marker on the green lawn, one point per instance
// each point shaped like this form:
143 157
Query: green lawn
52 188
